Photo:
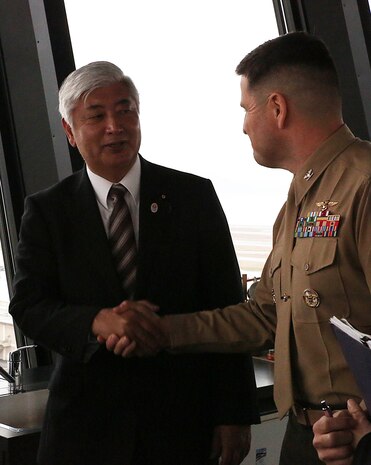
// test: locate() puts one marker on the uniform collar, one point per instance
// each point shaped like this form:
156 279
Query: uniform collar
319 161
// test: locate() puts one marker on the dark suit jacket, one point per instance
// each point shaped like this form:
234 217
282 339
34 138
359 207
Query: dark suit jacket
65 275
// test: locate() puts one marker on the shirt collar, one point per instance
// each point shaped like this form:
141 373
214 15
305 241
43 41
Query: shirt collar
131 181
319 161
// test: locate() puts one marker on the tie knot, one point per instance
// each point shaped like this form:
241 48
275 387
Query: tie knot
117 191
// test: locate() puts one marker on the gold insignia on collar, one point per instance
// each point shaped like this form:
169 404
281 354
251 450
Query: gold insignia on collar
326 204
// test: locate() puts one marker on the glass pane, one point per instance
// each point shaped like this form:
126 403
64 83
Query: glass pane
7 336
182 57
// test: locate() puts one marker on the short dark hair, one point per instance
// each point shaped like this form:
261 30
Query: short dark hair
297 50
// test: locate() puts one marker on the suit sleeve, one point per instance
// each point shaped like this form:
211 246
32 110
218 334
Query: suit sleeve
233 388
37 305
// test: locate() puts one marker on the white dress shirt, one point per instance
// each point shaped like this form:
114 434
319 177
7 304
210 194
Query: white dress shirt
131 181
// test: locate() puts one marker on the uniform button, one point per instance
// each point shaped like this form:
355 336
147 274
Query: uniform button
306 267
311 298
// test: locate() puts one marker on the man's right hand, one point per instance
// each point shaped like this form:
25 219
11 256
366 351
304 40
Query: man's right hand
333 438
131 328
336 438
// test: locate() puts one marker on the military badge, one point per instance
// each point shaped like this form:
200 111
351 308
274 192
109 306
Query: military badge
318 224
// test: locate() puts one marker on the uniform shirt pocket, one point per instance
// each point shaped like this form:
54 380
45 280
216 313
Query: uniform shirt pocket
315 256
315 273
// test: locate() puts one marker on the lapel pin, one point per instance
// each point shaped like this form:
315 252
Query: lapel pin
154 207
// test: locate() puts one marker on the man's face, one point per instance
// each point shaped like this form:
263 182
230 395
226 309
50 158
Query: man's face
106 130
257 124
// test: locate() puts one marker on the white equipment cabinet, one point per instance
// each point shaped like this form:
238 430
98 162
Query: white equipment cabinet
266 437
266 441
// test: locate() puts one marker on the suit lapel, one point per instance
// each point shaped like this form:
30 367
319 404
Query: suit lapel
155 225
155 218
88 225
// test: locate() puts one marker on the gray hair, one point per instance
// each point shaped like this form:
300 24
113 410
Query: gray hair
84 80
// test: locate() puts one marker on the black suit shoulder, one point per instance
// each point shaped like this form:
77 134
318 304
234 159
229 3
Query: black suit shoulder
68 185
166 171
171 177
177 189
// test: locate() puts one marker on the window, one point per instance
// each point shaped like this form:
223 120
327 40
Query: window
7 336
182 57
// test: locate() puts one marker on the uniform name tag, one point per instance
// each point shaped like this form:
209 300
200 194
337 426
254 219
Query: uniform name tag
317 224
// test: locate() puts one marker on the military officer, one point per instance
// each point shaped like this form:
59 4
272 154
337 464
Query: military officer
320 264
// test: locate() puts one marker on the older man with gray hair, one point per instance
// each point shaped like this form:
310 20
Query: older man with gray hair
126 228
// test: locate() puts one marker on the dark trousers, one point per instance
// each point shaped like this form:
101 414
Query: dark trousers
114 437
297 447
172 448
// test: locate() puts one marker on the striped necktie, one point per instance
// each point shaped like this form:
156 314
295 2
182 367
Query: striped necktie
121 238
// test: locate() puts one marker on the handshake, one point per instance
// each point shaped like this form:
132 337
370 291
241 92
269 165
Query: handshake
131 328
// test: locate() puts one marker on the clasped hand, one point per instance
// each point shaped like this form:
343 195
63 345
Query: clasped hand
131 328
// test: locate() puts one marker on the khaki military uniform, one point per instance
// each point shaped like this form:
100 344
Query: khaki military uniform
305 281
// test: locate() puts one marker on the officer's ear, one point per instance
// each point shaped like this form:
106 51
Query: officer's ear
277 104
